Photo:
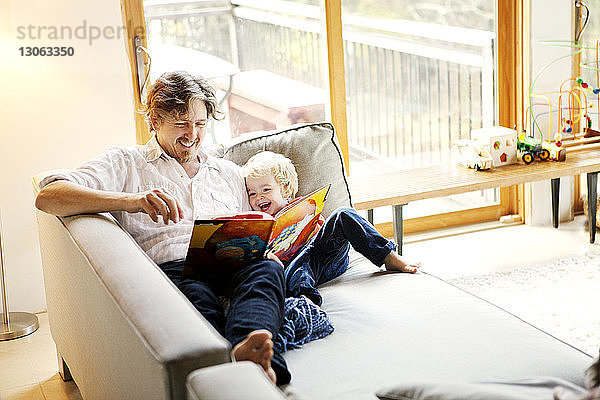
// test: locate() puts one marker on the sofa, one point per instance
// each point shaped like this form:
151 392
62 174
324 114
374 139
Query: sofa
123 331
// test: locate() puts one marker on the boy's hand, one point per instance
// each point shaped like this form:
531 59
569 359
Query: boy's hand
271 256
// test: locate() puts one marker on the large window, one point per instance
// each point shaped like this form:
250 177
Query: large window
417 76
264 57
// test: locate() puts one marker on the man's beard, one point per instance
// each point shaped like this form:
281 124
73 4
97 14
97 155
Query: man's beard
187 156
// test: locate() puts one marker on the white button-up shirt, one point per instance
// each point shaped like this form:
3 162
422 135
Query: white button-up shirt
217 188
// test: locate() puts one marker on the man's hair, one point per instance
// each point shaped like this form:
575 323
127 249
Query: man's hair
173 94
269 163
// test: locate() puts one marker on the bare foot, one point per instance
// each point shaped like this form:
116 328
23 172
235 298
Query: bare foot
258 348
395 262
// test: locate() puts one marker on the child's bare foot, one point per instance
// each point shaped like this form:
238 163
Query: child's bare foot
395 262
258 348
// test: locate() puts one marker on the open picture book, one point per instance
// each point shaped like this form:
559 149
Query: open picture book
228 242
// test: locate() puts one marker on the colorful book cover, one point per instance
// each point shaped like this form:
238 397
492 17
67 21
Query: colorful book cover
227 242
295 224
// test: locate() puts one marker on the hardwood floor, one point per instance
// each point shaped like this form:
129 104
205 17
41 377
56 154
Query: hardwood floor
29 368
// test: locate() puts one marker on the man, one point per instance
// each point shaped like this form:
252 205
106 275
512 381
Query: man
157 189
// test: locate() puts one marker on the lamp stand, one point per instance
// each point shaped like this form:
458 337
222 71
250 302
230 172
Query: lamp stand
13 325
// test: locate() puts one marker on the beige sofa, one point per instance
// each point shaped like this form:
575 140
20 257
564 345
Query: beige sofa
125 332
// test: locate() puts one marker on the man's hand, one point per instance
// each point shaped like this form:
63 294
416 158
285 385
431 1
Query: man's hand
156 203
65 198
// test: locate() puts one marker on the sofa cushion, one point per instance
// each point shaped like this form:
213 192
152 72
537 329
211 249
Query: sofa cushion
539 388
393 326
314 150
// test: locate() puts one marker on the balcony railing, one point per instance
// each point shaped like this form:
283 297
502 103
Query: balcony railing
412 88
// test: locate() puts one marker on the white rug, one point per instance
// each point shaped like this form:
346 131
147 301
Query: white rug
561 297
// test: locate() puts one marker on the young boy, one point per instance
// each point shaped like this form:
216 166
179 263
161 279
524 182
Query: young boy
272 182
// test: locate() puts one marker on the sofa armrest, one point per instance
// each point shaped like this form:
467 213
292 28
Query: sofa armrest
122 327
241 381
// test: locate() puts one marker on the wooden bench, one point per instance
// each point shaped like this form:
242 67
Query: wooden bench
397 189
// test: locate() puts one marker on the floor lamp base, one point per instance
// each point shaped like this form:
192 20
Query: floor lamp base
19 324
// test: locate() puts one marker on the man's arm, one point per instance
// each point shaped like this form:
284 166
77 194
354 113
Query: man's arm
63 198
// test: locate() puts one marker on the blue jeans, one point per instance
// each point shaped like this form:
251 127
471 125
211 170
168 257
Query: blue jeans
256 295
325 257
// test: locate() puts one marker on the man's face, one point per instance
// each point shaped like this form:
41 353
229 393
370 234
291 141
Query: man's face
181 138
265 194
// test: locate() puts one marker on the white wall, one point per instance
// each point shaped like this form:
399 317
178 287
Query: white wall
55 112
550 20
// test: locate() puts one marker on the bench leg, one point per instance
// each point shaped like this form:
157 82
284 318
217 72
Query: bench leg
398 226
555 183
370 216
592 189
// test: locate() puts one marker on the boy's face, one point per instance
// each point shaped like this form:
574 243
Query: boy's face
265 194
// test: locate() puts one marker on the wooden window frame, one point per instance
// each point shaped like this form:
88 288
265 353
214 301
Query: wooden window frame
576 68
512 74
132 13
512 33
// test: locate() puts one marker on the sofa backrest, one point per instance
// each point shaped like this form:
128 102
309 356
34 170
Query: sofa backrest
315 152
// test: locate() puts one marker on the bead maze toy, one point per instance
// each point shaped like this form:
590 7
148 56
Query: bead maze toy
569 109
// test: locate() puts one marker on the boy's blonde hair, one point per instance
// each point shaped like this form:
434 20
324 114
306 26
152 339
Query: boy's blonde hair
269 163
